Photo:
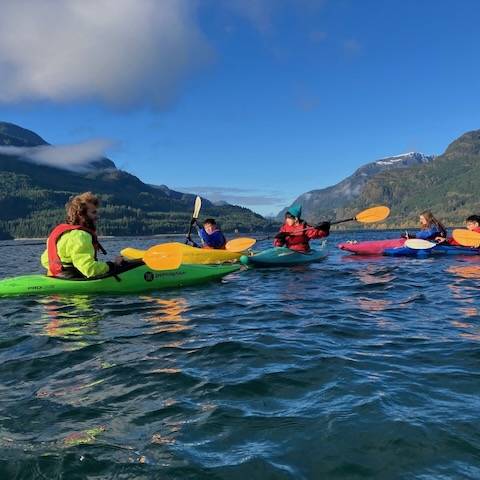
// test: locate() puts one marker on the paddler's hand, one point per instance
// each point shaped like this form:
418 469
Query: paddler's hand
324 226
119 260
281 237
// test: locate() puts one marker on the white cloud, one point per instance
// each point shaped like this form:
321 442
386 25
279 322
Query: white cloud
122 52
75 157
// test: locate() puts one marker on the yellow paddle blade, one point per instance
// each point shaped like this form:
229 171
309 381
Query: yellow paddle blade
374 214
136 253
466 238
240 244
163 257
197 207
132 253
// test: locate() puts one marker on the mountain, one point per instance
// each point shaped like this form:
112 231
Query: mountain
16 136
320 204
447 184
33 196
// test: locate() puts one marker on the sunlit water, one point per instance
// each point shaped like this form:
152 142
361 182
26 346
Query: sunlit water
349 368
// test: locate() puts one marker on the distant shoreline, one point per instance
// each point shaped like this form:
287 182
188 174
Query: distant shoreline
232 234
21 239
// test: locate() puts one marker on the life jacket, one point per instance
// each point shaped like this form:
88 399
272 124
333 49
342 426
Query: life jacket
297 239
55 265
452 241
299 236
215 240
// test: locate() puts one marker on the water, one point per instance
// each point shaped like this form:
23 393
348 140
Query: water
348 369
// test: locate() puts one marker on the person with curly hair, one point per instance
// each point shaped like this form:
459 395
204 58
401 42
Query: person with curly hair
72 247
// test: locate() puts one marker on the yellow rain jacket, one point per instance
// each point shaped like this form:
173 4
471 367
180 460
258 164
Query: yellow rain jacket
76 248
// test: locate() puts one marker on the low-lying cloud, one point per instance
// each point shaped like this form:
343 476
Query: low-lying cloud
122 52
75 157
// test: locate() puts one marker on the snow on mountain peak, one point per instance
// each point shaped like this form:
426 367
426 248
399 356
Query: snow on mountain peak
398 158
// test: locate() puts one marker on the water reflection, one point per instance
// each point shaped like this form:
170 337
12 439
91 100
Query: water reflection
464 291
373 275
372 304
73 316
168 315
465 271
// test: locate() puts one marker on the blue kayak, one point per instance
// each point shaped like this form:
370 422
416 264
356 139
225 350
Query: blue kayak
284 257
437 250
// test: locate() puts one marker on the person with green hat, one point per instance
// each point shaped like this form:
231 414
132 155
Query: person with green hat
296 234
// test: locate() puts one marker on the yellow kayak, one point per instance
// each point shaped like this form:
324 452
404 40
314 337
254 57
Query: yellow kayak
191 255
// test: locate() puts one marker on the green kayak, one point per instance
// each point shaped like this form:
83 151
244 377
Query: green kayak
137 277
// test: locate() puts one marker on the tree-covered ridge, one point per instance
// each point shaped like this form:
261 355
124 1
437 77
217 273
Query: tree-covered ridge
448 186
32 198
320 203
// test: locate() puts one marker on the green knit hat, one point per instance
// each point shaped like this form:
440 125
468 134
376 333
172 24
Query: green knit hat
295 211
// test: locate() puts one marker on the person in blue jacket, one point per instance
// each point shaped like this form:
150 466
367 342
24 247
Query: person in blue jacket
431 228
211 236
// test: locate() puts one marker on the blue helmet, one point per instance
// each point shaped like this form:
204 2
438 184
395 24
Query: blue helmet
295 211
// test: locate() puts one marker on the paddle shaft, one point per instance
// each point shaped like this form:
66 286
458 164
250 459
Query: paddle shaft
189 233
343 221
310 228
286 234
196 212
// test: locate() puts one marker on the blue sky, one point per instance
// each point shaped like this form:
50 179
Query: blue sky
254 102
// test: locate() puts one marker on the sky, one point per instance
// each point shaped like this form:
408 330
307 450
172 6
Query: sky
249 101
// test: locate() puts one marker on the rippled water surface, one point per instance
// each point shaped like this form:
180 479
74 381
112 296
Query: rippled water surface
349 368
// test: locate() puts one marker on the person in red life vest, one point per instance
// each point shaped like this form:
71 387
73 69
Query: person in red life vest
296 234
72 246
472 223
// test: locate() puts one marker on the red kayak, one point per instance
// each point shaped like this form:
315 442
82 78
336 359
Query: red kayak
372 247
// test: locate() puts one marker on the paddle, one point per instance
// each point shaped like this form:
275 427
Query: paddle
132 253
236 245
196 212
370 215
163 257
419 244
467 238
241 244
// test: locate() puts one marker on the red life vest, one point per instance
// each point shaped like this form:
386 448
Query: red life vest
55 265
299 236
451 240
